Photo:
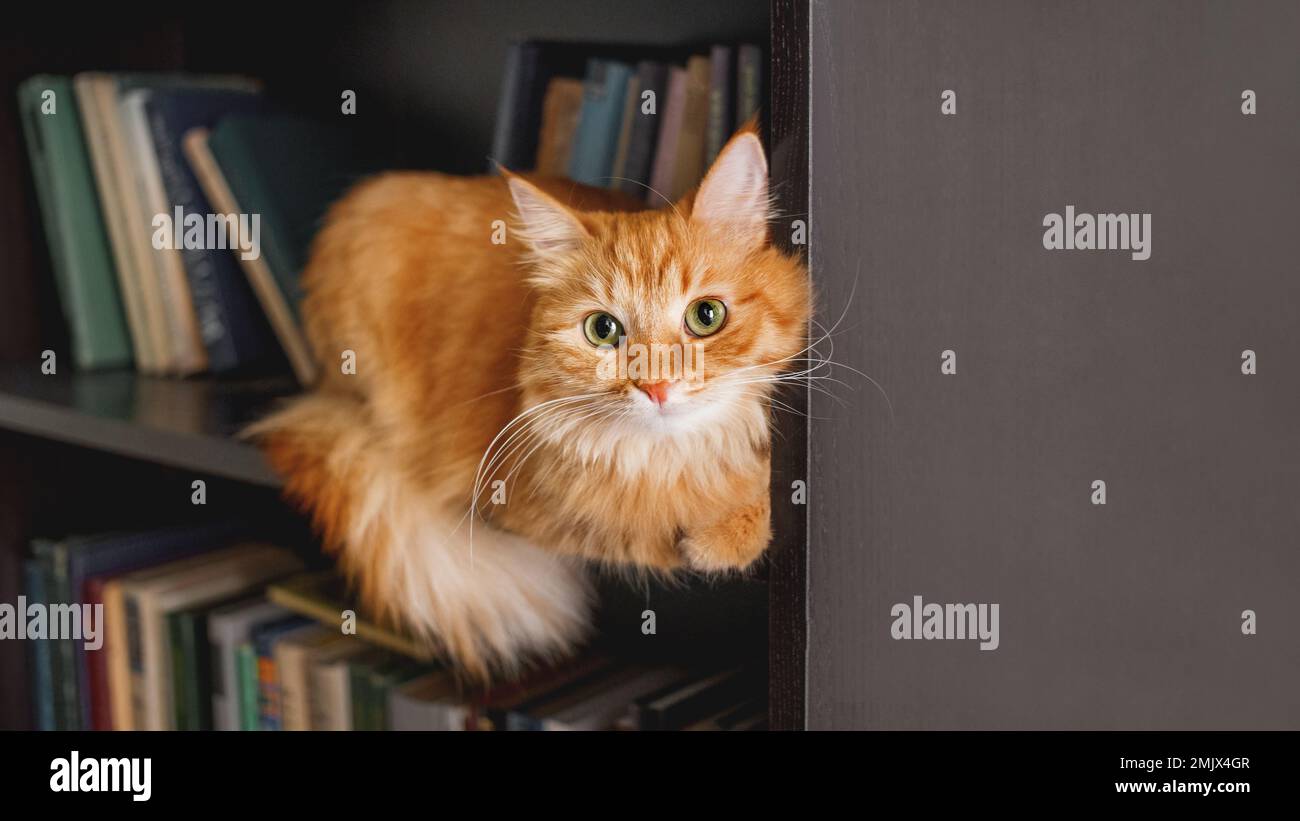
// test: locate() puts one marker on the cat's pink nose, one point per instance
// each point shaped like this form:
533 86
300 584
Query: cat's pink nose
657 391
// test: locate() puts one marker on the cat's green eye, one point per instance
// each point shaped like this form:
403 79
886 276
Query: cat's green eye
602 329
705 316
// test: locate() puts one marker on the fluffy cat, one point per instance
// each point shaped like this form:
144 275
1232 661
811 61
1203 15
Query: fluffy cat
491 371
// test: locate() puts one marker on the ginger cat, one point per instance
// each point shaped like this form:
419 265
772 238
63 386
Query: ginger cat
506 372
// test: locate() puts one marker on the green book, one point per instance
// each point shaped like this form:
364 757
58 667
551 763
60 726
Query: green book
74 224
249 710
383 678
359 685
191 668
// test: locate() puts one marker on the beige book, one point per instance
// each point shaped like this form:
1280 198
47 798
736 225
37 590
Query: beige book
232 571
294 655
91 88
185 350
331 684
118 662
122 709
136 229
560 111
689 166
283 322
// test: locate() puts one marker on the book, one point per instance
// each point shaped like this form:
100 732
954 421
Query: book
188 583
81 559
382 680
187 635
51 556
249 706
123 642
288 170
722 102
121 714
96 93
749 83
596 140
264 639
592 702
322 595
560 110
232 326
531 66
167 292
290 655
331 689
112 160
651 77
683 703
631 101
230 628
35 573
664 168
602 709
689 167
490 709
433 701
74 223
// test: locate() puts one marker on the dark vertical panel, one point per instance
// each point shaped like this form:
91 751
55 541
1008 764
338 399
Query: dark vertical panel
15 506
787 580
1073 366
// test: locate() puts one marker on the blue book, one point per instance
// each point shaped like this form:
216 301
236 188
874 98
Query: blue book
595 142
235 331
80 559
36 571
264 638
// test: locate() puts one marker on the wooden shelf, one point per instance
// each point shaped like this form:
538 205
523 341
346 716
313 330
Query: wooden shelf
184 423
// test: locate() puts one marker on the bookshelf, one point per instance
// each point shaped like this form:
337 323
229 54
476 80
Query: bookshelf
117 449
186 424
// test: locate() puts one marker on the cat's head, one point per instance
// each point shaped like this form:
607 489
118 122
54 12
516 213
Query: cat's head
661 326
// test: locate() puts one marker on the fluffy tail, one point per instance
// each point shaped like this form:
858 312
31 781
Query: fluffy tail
409 555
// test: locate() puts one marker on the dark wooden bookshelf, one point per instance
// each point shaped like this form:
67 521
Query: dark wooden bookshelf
191 424
116 449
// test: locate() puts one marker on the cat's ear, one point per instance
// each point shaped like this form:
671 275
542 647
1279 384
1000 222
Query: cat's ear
733 200
544 222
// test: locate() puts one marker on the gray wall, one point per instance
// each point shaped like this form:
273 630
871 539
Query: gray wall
1073 366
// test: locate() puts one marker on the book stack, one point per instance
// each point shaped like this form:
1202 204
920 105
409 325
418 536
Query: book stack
203 628
636 120
178 210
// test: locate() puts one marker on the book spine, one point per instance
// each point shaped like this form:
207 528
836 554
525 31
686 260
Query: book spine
38 141
66 645
249 708
200 269
268 693
42 677
506 126
179 673
749 82
651 77
96 680
135 660
596 141
721 102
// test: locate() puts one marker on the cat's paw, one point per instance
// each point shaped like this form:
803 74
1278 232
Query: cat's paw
733 542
